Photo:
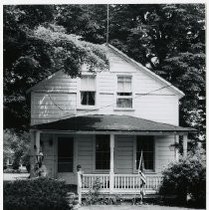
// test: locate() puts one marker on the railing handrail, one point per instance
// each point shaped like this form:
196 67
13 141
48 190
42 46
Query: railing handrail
96 175
130 175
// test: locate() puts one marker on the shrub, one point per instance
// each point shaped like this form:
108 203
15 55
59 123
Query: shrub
186 177
35 194
93 194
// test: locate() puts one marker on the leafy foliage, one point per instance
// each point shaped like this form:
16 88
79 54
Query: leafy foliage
187 177
34 51
35 194
17 147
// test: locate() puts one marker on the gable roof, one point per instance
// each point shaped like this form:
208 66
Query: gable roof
112 123
146 70
130 60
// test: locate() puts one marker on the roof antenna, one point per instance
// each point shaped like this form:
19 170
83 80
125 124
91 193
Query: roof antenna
108 22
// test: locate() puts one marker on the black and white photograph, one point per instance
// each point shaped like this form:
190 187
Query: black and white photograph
104 106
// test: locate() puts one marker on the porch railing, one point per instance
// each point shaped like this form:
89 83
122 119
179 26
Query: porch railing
122 182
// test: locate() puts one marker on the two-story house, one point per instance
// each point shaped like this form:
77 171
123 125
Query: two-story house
103 121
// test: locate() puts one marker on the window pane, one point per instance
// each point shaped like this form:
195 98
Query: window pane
102 152
145 143
88 83
124 102
124 84
65 154
87 98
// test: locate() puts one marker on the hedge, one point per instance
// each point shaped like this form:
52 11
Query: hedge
35 194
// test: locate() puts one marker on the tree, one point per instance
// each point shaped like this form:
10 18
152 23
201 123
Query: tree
16 147
34 48
169 40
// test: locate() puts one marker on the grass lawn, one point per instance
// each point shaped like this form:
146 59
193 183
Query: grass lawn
132 207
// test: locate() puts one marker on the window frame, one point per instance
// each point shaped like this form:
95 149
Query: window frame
135 167
79 90
124 97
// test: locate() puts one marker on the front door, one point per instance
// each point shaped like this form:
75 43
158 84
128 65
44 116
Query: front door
65 154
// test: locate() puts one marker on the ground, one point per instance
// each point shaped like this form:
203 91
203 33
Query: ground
131 207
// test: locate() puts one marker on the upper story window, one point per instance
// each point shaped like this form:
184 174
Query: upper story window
88 91
124 92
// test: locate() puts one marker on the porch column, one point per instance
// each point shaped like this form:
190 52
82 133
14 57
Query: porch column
37 142
33 153
176 149
184 145
112 145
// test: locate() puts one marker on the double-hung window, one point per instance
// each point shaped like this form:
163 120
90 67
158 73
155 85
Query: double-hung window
145 144
88 91
124 92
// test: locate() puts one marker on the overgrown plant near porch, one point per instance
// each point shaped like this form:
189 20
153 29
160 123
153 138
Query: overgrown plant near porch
186 180
93 194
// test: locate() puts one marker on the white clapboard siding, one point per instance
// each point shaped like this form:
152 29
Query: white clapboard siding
124 154
59 82
85 152
57 97
46 107
163 153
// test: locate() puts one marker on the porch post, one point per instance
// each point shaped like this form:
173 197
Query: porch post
112 145
184 145
176 149
37 142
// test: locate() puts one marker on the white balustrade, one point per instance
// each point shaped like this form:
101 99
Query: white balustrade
122 182
89 180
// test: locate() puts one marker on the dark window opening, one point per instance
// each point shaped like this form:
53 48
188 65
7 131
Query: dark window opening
145 143
103 152
65 154
88 98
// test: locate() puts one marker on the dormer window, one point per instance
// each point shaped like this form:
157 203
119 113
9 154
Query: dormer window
88 91
124 92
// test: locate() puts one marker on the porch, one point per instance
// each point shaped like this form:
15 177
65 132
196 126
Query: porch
108 148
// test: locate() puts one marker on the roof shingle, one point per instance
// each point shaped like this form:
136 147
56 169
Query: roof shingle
122 123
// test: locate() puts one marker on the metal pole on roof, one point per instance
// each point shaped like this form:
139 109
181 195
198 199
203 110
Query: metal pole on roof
108 22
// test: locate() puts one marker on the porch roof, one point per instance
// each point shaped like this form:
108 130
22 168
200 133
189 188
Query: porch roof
112 123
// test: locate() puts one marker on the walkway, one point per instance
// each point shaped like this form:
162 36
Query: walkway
130 207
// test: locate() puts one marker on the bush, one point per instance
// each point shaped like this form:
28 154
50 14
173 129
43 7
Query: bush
186 178
35 194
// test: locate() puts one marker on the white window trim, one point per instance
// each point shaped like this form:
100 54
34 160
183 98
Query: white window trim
132 96
87 107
